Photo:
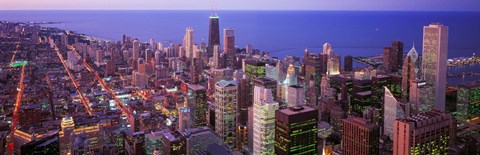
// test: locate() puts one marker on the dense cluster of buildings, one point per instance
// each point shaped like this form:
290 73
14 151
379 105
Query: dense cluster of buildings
82 95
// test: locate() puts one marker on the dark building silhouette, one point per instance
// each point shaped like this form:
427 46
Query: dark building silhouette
348 66
213 34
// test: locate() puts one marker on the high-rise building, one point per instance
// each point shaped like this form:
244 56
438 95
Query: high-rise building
393 110
432 132
387 59
268 83
296 130
296 96
468 97
291 79
226 111
188 43
409 74
197 100
136 50
184 118
254 69
158 57
244 100
229 47
348 63
228 41
174 143
397 55
87 131
359 137
434 64
217 62
263 121
213 34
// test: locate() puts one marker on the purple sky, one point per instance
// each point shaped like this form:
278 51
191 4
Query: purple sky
405 5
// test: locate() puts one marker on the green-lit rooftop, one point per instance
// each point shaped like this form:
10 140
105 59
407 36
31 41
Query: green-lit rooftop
19 63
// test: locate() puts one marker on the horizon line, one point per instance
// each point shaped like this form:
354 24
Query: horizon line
340 10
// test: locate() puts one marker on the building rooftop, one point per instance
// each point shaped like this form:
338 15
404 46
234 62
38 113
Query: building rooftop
225 83
196 87
360 122
296 110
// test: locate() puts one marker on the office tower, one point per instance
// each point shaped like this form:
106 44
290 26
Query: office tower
417 97
188 43
136 50
226 111
197 100
263 121
67 129
249 49
296 96
348 63
153 141
397 55
434 64
393 110
79 133
158 57
387 59
99 57
327 50
213 33
244 100
47 144
296 130
229 47
228 41
148 55
468 97
409 74
268 83
271 71
174 143
432 132
254 69
291 79
199 138
313 67
184 118
153 46
359 136
217 62
196 69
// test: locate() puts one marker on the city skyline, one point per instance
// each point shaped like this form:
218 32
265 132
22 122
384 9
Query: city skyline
348 5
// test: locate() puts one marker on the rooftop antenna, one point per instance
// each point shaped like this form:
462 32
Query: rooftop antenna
214 9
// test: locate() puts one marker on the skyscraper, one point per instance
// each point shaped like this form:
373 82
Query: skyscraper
359 136
217 62
393 110
188 42
397 56
136 50
434 64
229 47
409 72
296 96
432 132
387 59
213 34
226 110
263 121
228 41
197 98
348 63
296 130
